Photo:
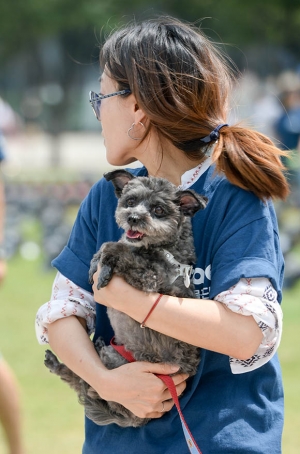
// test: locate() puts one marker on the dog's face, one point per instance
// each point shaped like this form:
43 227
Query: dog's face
148 212
151 210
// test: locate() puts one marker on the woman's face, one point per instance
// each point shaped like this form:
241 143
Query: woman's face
117 115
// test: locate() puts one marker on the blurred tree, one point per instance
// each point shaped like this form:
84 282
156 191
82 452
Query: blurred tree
273 21
42 42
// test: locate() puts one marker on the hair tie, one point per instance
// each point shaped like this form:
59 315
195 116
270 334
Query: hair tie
214 135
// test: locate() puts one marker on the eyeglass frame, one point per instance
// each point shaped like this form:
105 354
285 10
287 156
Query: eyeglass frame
96 98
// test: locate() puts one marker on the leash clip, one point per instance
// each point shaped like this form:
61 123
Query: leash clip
181 269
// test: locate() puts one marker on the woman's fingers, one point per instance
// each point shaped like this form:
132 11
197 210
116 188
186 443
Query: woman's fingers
167 403
180 385
178 379
179 390
163 407
140 390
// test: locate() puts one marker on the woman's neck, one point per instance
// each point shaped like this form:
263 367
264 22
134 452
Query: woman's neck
166 161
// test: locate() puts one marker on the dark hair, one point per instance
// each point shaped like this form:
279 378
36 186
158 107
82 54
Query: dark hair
182 82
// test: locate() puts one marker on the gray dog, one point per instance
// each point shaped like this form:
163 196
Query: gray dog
155 254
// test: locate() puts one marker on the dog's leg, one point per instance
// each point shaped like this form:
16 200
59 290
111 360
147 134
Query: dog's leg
105 276
94 265
63 372
96 409
111 358
112 261
107 258
103 413
99 344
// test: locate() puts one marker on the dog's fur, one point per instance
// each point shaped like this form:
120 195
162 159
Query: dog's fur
155 215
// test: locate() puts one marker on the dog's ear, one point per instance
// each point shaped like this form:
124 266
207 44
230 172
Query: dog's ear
119 179
190 202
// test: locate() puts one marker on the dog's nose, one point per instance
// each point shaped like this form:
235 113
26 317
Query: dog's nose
133 219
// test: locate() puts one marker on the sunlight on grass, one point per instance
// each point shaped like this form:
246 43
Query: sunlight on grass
289 354
53 420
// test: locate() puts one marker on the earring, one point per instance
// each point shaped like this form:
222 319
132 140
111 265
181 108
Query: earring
131 128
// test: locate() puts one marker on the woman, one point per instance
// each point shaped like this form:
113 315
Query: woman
164 102
10 409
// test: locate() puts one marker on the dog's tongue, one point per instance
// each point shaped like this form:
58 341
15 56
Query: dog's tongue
134 234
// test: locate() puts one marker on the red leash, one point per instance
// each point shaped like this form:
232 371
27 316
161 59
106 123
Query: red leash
194 449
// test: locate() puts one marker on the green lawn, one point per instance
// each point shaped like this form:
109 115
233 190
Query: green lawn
289 353
53 420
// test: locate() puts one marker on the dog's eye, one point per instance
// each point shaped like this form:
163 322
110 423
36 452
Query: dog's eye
159 210
130 202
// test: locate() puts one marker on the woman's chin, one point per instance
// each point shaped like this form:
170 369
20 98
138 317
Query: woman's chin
119 161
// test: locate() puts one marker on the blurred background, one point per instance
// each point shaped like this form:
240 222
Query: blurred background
54 153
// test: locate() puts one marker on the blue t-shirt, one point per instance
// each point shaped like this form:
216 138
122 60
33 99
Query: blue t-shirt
235 236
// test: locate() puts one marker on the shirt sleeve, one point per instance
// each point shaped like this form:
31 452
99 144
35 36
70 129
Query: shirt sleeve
66 299
258 298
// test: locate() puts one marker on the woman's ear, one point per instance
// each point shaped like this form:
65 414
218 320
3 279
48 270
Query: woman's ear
139 115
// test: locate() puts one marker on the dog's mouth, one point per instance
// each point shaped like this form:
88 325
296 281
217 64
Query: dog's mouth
134 235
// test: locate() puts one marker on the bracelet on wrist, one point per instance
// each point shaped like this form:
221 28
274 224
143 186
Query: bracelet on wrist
143 324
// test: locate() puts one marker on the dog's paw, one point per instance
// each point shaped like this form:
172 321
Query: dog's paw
99 344
51 361
93 269
104 276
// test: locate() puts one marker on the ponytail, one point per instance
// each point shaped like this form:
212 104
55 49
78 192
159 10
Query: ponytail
251 161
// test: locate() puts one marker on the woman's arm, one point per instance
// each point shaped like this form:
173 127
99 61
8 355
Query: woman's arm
10 411
205 323
133 385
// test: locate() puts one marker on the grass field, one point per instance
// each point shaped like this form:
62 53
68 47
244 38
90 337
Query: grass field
53 420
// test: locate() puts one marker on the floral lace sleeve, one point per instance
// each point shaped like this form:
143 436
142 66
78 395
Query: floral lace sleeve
258 298
66 299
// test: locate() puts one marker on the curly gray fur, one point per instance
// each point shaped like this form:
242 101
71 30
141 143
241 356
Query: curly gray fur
155 215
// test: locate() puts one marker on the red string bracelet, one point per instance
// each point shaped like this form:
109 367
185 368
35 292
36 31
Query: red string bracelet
143 324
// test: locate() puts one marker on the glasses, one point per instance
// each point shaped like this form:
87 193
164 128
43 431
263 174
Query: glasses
95 100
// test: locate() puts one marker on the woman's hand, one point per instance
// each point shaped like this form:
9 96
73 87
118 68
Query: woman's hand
114 294
136 387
